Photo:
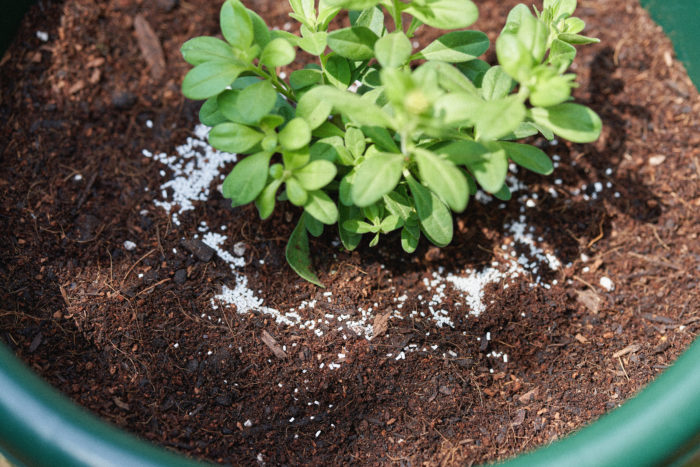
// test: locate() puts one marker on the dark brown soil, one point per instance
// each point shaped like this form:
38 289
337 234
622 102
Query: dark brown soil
132 335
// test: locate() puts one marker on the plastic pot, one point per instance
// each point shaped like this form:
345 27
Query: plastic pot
660 426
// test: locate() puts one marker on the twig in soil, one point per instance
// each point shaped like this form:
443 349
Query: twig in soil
584 282
600 235
160 246
656 234
656 260
623 368
272 344
152 287
86 192
134 265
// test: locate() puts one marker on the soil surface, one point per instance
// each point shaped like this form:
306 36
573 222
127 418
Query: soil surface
119 304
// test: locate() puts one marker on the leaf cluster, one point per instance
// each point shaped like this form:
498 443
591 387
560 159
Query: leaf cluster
376 137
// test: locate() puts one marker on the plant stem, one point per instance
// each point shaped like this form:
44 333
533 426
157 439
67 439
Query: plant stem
396 14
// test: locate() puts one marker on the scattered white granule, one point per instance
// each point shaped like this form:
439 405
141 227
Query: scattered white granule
607 283
149 124
129 245
248 423
42 36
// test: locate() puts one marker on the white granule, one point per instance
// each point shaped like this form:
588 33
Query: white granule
607 283
129 245
42 36
248 423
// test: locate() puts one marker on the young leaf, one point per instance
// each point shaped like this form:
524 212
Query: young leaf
316 174
355 141
209 113
496 84
300 79
354 107
209 79
499 117
443 178
398 204
350 239
296 194
313 42
393 50
358 226
295 135
381 137
577 39
320 206
233 137
491 169
355 43
353 4
206 49
528 156
434 216
456 46
390 223
561 54
261 33
514 56
376 177
313 226
410 234
265 202
503 194
372 18
298 255
248 105
313 109
338 71
444 14
247 179
278 52
236 25
574 122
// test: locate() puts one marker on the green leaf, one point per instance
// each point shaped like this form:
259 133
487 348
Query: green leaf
444 14
261 33
236 25
577 39
350 239
353 4
381 137
503 194
322 207
458 108
338 71
372 18
499 117
474 70
209 79
295 135
206 49
456 46
265 202
233 137
398 204
247 179
354 107
295 159
209 113
355 43
528 156
560 7
496 84
249 105
410 235
313 109
300 79
390 223
278 52
574 25
434 216
296 194
313 226
575 122
491 168
355 141
326 149
443 178
514 57
376 177
358 226
345 189
298 255
316 174
551 88
393 50
313 42
561 54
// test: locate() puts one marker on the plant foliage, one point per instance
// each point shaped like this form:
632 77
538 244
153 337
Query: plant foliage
415 137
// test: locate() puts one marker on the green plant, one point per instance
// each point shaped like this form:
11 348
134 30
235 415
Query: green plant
422 130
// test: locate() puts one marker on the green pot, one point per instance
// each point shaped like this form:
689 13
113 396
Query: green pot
660 426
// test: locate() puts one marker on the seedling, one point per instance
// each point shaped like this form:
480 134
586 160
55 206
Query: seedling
376 136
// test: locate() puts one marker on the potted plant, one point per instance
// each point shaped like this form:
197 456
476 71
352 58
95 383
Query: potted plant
135 284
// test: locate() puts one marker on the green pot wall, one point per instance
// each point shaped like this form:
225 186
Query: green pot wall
660 426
